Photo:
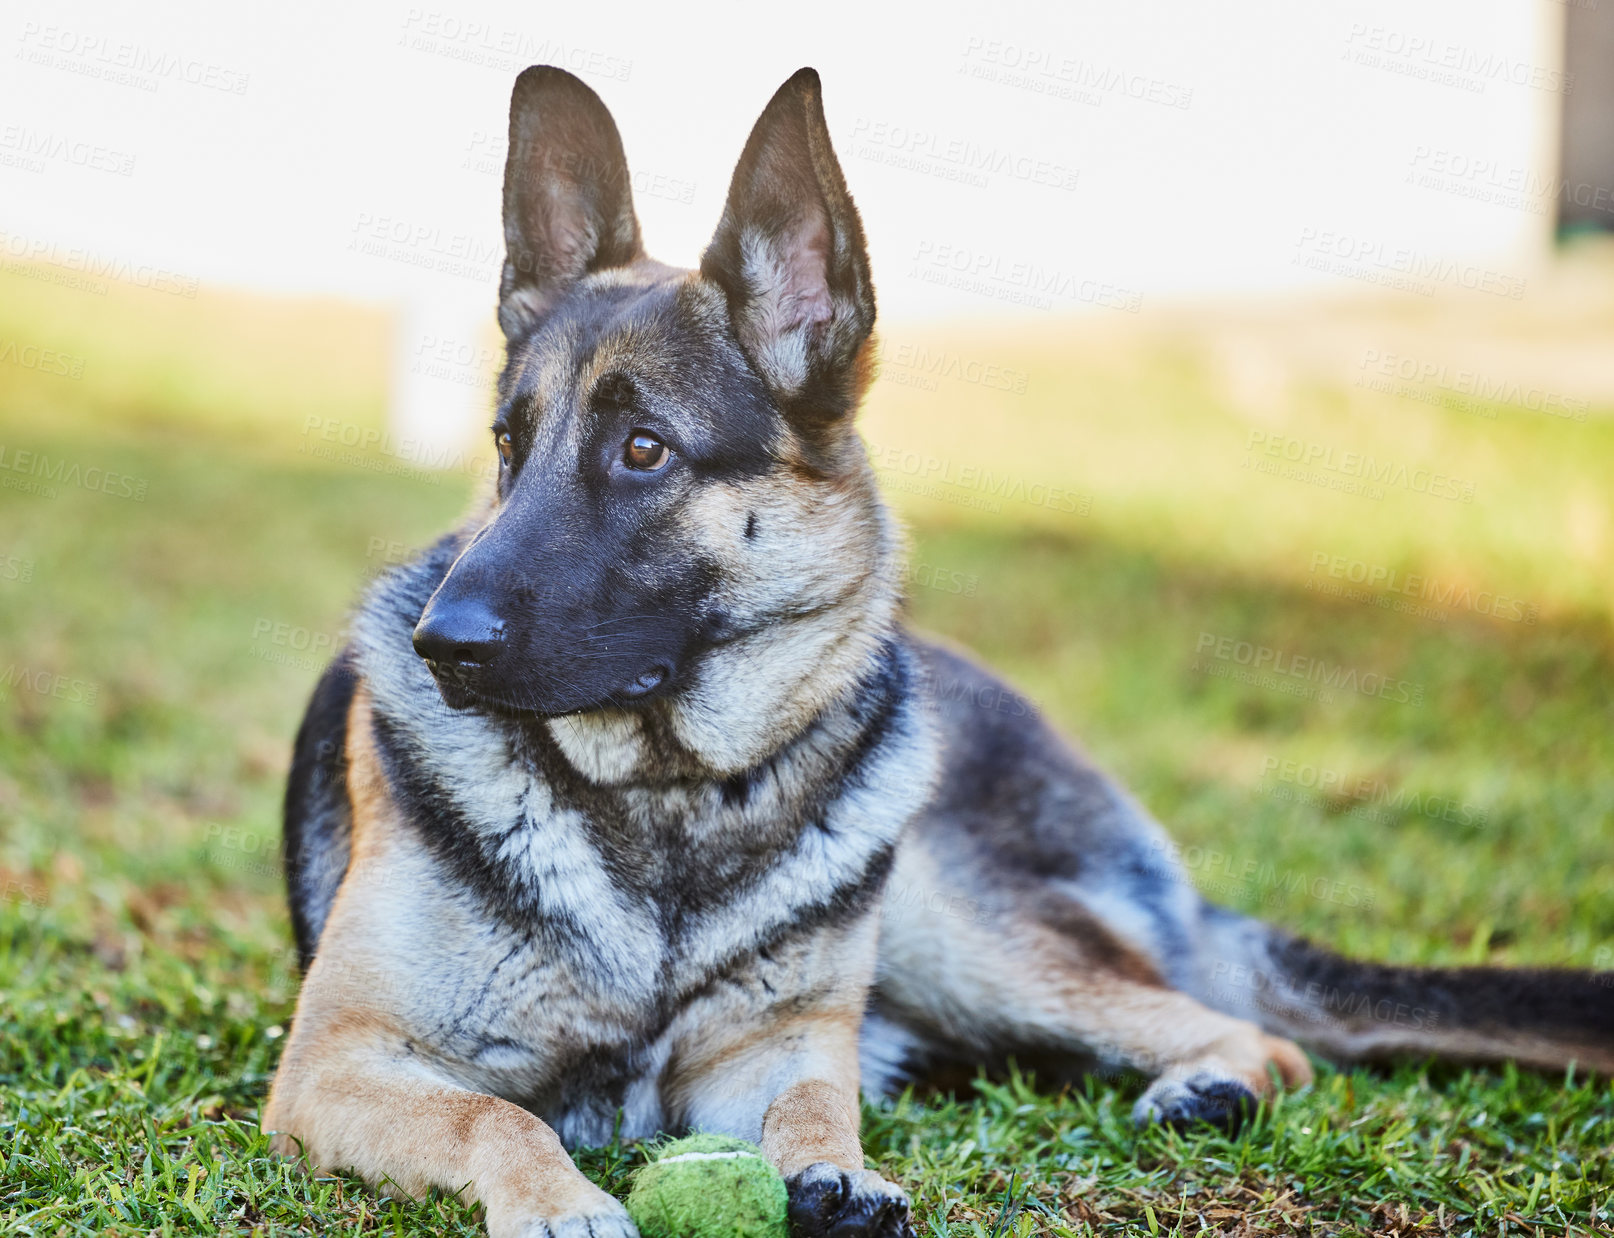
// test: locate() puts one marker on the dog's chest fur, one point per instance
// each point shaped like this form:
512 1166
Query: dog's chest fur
565 910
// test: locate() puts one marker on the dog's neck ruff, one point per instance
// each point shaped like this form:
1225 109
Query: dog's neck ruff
633 876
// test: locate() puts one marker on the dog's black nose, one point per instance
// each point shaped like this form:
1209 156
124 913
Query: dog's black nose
461 632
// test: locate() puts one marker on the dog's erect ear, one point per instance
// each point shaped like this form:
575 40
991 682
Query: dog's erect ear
790 257
568 201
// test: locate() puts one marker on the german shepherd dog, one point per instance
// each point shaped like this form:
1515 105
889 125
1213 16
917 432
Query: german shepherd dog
590 829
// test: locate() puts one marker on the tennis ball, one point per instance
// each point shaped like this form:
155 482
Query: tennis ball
709 1186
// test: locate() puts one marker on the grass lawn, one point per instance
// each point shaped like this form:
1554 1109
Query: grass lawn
1102 524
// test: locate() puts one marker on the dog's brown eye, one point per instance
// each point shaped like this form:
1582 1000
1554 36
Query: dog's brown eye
645 452
506 446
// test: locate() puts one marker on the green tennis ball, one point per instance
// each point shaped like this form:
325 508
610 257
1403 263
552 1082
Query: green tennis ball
709 1186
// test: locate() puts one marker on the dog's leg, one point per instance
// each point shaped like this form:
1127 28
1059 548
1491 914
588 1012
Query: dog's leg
351 1093
1209 1067
796 1092
810 1132
999 978
790 1082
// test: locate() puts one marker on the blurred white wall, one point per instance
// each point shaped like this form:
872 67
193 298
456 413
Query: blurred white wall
1008 159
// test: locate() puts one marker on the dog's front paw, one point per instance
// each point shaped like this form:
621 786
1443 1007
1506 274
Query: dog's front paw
604 1218
827 1201
1204 1096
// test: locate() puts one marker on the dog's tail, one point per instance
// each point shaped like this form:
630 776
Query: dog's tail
1351 1010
